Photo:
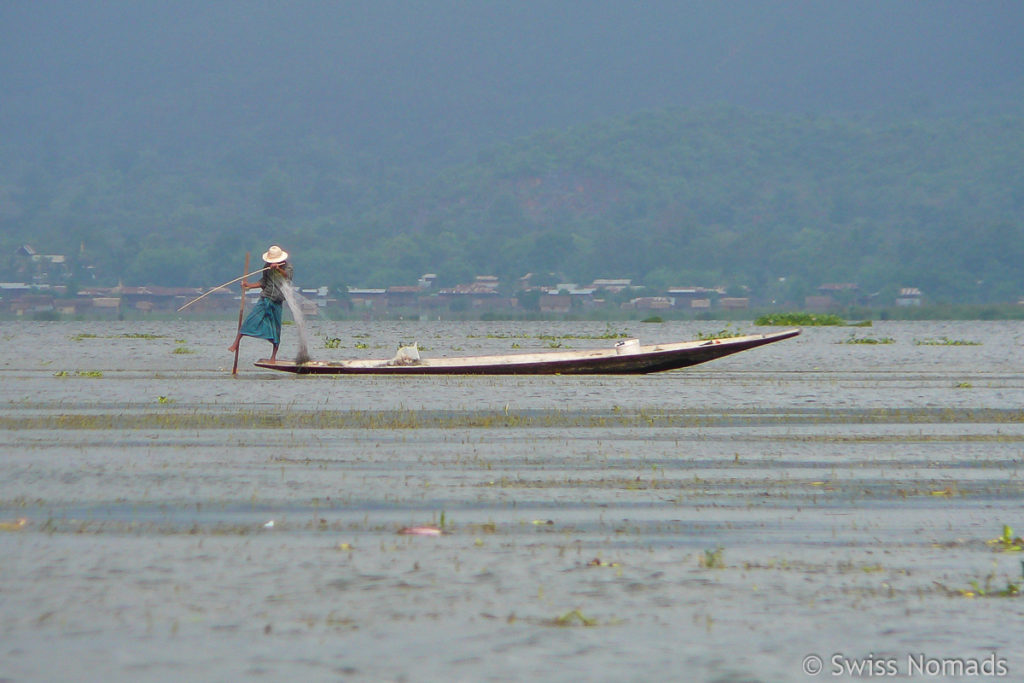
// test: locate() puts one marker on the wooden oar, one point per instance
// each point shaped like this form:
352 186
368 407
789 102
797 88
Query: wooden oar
241 312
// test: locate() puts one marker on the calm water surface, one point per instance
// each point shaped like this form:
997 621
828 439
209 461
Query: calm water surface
161 520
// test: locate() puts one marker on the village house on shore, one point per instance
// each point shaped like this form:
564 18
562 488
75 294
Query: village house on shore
46 291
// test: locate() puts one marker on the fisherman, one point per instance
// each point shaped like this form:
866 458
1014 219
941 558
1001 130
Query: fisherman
264 321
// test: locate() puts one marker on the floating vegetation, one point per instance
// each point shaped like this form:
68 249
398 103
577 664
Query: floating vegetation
867 340
609 333
945 341
712 559
164 399
547 418
1012 590
653 319
598 562
127 335
573 618
16 525
182 350
1007 543
92 374
725 333
798 318
332 342
963 385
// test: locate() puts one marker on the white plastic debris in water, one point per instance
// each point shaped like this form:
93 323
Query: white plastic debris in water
269 525
627 346
420 531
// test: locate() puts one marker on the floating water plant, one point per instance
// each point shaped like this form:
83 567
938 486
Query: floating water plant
182 350
598 562
945 341
1007 543
712 559
573 618
868 340
609 333
127 335
332 342
724 333
802 319
1012 590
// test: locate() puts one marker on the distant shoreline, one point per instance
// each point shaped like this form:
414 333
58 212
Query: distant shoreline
965 312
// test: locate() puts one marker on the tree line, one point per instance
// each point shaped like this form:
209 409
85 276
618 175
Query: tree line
681 197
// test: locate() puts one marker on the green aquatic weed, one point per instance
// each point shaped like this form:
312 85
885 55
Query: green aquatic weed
945 341
800 318
979 590
1007 543
724 333
713 559
574 618
868 340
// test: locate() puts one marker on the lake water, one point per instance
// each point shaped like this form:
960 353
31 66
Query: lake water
727 522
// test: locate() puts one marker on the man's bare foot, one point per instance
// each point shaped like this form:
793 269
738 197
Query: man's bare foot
233 347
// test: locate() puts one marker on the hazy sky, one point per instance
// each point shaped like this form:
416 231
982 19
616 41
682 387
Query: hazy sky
390 69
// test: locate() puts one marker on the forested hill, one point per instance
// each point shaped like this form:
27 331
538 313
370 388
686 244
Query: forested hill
708 196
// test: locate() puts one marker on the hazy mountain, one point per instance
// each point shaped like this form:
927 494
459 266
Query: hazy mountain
407 78
137 128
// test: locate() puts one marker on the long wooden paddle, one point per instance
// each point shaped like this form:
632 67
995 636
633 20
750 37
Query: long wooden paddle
241 313
223 286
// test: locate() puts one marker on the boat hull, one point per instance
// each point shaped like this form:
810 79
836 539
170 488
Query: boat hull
615 361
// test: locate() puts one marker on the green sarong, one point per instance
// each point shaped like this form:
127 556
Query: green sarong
264 321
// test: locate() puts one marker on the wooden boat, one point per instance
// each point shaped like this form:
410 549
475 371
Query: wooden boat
626 357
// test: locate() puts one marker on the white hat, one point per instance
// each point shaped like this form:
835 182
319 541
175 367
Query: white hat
275 255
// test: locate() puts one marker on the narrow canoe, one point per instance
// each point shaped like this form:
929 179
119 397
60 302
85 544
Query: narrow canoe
626 357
